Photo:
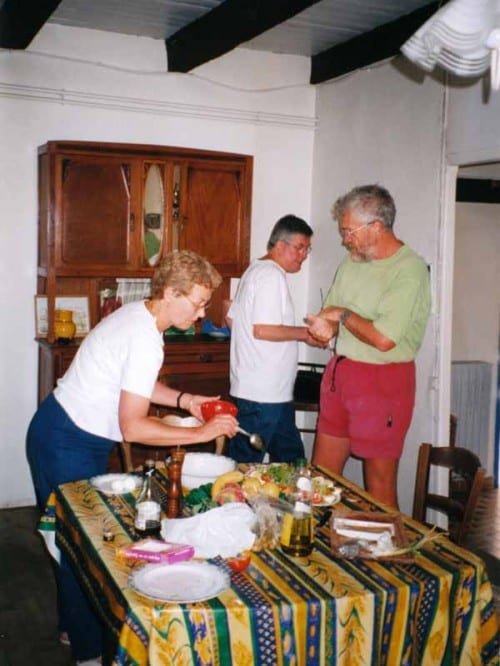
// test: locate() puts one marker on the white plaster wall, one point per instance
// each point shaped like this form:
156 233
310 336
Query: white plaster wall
247 102
377 125
473 131
476 293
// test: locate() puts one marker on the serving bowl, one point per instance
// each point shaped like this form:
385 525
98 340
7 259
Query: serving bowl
200 468
212 407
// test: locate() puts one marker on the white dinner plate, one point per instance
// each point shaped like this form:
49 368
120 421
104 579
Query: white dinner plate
185 582
116 484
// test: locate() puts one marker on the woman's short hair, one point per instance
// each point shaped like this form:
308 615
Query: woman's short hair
182 270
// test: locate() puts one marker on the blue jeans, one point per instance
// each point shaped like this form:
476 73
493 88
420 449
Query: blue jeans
275 423
59 452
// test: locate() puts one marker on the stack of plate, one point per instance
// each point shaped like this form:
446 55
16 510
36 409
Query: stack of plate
185 582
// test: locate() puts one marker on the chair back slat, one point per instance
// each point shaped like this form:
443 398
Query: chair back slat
456 458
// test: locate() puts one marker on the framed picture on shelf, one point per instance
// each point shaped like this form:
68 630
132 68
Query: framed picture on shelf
79 306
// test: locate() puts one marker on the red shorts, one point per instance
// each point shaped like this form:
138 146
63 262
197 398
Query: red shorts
371 404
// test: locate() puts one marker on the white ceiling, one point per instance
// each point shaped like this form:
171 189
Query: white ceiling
325 24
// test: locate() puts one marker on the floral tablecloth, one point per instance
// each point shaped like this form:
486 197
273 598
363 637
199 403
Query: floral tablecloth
435 609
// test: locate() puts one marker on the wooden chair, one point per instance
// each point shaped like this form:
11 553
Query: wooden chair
126 457
465 485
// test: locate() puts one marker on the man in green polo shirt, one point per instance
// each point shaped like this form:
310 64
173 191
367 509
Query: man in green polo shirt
377 310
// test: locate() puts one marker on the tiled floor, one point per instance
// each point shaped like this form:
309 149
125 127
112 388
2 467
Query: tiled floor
28 622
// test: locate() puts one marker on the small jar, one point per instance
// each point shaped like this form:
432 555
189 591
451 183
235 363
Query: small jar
64 326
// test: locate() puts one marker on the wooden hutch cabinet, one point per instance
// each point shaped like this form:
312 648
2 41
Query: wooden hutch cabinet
110 211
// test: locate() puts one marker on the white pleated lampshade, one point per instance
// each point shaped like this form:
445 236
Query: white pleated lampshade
463 37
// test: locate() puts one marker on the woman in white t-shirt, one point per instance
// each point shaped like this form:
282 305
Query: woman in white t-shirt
105 396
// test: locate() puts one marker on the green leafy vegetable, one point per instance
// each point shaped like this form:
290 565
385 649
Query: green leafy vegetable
281 472
199 499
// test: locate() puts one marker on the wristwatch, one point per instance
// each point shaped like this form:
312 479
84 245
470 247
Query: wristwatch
344 316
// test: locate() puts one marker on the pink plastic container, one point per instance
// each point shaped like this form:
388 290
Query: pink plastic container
153 550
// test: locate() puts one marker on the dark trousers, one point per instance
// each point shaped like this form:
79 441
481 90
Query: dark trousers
275 423
59 452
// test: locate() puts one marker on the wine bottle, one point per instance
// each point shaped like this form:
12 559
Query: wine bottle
147 522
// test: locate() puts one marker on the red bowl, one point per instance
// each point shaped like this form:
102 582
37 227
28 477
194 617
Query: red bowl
213 407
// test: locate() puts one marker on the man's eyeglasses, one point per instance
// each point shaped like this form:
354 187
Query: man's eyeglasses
351 232
301 249
198 306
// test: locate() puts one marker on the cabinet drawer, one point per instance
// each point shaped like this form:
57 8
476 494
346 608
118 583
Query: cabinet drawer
182 362
199 384
198 366
211 369
197 356
63 360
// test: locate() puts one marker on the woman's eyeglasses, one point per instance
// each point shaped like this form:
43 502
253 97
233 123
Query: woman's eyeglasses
198 306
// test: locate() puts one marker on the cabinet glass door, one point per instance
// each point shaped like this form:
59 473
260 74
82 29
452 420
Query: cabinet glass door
153 213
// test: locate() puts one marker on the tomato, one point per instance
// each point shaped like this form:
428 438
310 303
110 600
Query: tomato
240 562
317 498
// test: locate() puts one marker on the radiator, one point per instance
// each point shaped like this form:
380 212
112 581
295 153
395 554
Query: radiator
471 404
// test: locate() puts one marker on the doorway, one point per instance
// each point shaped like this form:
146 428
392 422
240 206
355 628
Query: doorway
475 312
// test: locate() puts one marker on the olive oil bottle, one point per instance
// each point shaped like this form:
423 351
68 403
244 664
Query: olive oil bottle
297 535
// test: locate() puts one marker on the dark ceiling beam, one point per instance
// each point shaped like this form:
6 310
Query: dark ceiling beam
20 20
378 44
225 27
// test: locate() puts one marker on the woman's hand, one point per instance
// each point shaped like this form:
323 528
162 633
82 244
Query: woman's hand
195 402
221 424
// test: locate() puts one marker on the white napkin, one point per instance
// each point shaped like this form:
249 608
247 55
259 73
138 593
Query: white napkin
224 531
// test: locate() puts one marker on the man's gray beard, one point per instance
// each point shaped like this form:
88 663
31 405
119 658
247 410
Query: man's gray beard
358 258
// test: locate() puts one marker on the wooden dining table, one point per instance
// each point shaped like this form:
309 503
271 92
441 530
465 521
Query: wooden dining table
434 607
